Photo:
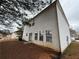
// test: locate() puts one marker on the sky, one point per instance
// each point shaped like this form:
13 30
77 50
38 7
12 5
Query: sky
71 9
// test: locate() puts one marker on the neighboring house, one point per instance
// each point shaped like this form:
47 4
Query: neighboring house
73 34
49 28
1 36
12 36
77 38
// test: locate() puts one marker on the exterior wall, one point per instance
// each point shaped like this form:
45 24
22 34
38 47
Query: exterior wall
63 28
54 20
46 20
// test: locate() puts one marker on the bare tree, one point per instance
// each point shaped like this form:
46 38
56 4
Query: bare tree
15 11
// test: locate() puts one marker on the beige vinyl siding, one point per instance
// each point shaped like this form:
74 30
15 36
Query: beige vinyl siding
45 21
64 32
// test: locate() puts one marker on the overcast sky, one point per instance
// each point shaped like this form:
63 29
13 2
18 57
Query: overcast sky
71 9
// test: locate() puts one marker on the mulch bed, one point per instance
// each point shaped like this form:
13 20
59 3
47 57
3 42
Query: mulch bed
19 50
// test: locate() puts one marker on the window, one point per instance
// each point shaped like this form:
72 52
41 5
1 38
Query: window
36 36
30 36
48 36
40 36
67 39
26 34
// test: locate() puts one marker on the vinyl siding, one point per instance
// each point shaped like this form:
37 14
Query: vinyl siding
63 29
47 20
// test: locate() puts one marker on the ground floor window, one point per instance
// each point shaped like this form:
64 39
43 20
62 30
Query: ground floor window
67 39
48 36
36 36
26 34
40 36
30 36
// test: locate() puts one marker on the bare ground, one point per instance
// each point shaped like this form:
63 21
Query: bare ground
19 50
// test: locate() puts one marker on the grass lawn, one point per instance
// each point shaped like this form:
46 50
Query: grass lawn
72 52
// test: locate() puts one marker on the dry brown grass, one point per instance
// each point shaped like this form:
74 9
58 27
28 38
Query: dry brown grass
72 52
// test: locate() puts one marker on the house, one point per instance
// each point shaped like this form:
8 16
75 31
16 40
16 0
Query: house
12 36
77 36
49 28
73 34
1 36
6 35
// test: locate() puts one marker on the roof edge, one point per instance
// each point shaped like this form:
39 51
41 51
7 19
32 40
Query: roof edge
42 11
61 9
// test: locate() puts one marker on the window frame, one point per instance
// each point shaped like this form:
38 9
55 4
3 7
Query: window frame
36 36
48 36
30 37
41 36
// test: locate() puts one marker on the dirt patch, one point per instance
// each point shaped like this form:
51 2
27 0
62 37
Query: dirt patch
19 50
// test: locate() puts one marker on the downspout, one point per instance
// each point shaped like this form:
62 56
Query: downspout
58 30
